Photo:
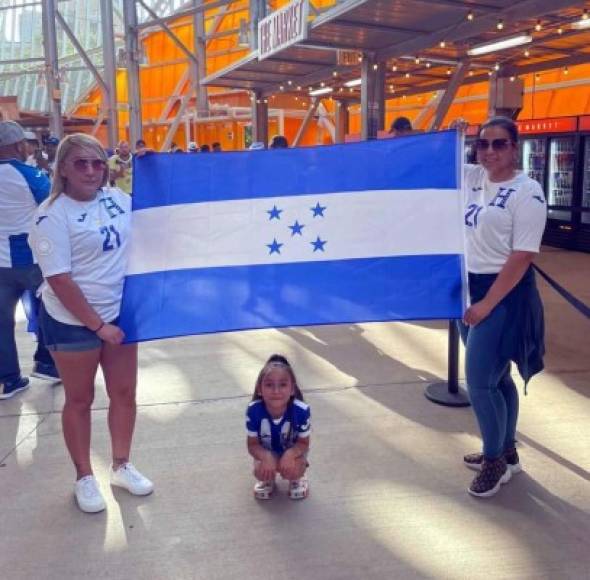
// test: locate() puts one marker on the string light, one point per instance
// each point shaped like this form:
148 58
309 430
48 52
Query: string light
282 88
537 76
322 84
470 73
394 68
500 24
360 59
442 44
289 83
375 66
428 65
538 26
585 14
407 75
298 87
512 79
335 73
496 66
448 71
470 16
527 53
417 60
560 30
566 70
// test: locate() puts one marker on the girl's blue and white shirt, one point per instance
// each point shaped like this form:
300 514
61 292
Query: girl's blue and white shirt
89 240
500 218
278 435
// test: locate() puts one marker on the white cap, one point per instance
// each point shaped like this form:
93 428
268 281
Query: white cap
29 135
192 146
256 146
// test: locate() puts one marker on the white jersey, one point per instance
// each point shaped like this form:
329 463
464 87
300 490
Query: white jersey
88 239
500 218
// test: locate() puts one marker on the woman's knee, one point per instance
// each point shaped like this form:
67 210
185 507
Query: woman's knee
122 394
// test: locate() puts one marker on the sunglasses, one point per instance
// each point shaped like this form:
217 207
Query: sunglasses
82 165
496 144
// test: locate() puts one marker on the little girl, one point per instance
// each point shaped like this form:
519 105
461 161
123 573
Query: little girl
278 424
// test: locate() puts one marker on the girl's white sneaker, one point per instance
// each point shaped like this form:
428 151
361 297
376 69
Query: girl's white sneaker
88 495
127 477
298 488
264 489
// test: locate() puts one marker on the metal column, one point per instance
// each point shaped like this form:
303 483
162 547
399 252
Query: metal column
257 13
200 45
341 120
372 97
132 53
449 95
52 67
259 118
109 73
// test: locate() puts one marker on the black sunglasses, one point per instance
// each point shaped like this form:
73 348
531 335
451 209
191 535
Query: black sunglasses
497 144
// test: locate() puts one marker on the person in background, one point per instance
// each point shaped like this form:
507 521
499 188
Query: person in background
401 126
140 146
120 166
278 422
80 237
22 189
216 147
279 142
32 144
505 216
46 157
205 148
256 146
193 147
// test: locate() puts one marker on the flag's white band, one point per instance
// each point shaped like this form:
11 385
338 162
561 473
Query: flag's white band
359 224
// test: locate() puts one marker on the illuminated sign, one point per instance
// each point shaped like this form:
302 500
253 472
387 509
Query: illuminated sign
282 28
561 125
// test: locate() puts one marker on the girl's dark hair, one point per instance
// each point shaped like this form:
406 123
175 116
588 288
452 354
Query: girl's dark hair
504 123
276 361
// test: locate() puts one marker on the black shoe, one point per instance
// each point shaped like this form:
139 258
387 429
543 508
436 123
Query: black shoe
45 371
11 388
493 474
474 461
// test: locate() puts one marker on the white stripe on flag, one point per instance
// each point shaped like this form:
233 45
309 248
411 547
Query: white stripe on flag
359 224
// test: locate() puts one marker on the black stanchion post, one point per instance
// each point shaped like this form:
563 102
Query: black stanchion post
448 393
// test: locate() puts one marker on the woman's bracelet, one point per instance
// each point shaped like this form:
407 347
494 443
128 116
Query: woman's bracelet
99 328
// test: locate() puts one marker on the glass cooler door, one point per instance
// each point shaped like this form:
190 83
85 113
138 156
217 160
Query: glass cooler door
561 176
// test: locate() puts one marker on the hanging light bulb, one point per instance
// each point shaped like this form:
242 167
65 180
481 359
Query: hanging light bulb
496 66
538 26
442 44
470 16
585 15
407 75
428 65
298 87
335 73
537 76
500 24
566 70
281 88
527 53
448 71
289 83
512 79
560 30
375 66
394 68
417 60
470 73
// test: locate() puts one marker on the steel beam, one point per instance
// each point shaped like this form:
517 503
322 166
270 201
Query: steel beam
132 57
52 67
306 120
159 21
257 13
341 120
109 72
200 66
259 119
449 95
372 97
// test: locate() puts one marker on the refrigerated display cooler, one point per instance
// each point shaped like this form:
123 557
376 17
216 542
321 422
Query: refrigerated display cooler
583 234
551 153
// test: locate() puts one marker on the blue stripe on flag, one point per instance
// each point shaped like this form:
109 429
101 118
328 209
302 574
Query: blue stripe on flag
182 302
415 162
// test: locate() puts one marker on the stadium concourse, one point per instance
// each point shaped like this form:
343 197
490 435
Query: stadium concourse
388 489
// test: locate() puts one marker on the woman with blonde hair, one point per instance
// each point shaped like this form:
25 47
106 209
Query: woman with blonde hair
80 239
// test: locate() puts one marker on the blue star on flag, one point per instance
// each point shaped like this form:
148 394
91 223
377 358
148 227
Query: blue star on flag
275 212
318 210
296 228
319 244
275 247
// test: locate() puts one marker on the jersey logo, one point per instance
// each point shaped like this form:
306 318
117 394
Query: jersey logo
471 216
539 199
501 197
111 206
82 217
40 219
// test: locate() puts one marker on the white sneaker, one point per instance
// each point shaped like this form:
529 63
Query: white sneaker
298 488
129 478
264 489
88 495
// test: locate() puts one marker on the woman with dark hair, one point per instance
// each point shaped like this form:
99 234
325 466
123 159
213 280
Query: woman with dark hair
504 223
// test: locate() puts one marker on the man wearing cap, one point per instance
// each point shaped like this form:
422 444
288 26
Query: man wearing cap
22 189
120 165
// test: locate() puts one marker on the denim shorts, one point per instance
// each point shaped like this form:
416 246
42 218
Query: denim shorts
62 337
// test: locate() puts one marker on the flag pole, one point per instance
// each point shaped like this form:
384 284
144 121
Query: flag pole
448 392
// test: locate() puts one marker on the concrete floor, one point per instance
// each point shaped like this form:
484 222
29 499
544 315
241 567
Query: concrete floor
388 489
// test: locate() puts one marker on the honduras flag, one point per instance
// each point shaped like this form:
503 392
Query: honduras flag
368 231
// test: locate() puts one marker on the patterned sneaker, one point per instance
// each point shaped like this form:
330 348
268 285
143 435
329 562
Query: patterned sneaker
264 489
474 461
46 372
10 388
88 495
127 477
493 474
299 488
